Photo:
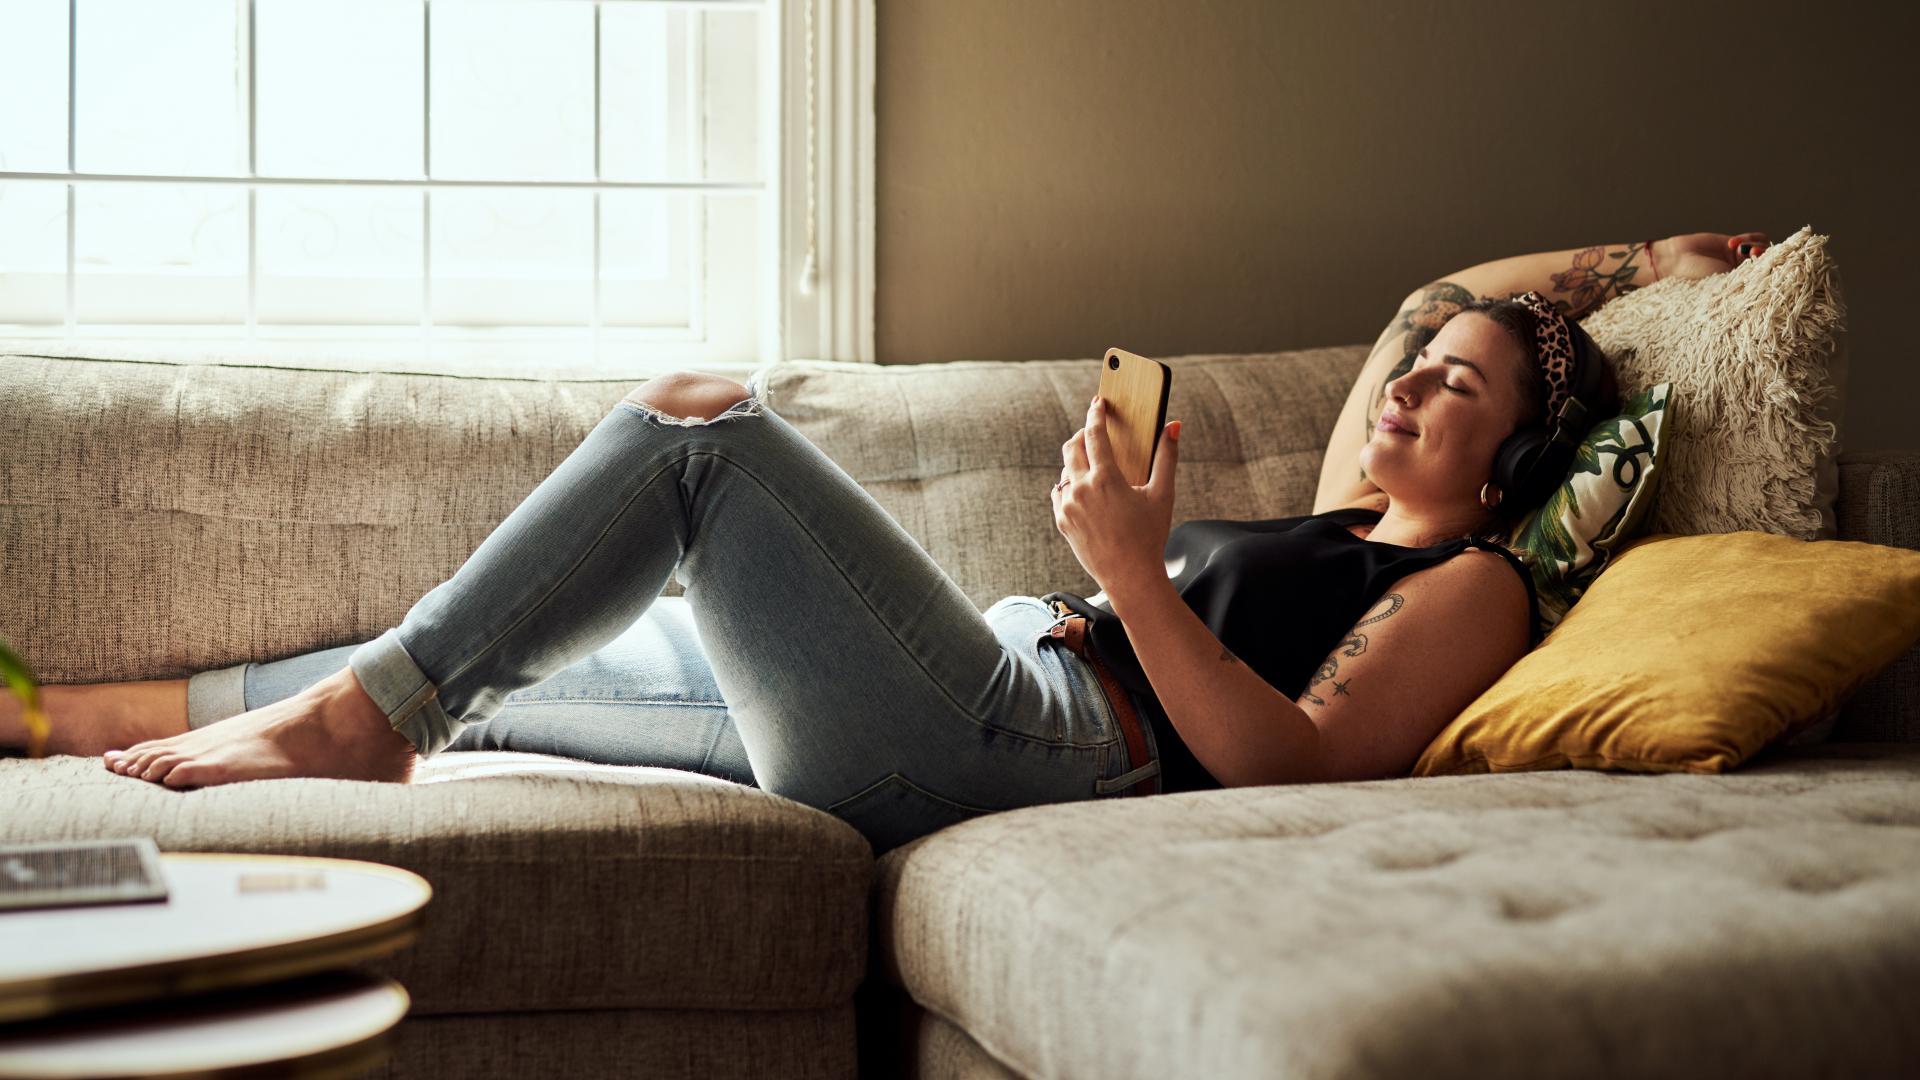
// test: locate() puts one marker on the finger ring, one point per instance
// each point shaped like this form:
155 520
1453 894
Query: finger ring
1063 483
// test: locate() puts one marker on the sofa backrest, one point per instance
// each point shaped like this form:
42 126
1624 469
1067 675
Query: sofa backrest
163 519
1880 504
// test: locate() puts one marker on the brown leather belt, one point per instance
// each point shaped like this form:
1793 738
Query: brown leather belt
1073 631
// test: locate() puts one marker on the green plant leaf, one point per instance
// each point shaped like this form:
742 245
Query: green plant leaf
21 682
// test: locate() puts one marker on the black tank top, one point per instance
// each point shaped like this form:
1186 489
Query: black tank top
1281 594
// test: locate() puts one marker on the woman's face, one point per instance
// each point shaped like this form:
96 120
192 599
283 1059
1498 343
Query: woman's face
1460 401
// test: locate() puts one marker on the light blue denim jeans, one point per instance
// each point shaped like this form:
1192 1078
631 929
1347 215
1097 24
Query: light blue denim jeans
818 652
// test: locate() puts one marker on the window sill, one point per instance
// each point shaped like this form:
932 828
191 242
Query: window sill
532 359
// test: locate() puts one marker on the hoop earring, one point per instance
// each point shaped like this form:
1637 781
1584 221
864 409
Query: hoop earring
1497 495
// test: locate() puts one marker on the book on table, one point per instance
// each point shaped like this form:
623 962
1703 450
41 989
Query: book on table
68 873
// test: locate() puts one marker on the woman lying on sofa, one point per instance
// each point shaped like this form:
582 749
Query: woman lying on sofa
836 664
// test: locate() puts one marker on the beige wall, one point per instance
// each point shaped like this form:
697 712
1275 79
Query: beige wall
1175 176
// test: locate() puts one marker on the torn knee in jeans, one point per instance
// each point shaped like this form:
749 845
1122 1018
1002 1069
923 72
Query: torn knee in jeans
692 399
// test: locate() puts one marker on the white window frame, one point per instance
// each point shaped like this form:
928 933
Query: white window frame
820 205
836 321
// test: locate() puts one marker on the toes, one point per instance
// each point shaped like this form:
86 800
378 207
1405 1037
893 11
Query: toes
146 758
160 766
187 774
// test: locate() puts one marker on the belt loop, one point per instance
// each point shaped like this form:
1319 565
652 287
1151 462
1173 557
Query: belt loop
1061 613
1118 783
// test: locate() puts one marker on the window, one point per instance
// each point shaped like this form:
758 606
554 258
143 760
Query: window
556 188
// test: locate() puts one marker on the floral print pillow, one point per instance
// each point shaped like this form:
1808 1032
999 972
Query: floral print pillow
1606 500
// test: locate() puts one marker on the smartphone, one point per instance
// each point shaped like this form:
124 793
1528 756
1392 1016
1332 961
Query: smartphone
1135 390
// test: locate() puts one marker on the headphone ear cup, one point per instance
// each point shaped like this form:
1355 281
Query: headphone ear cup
1513 460
1525 463
1549 472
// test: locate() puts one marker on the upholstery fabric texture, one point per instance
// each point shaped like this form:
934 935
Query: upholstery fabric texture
947 1052
1762 923
1691 653
243 514
557 884
1882 505
679 1044
1752 355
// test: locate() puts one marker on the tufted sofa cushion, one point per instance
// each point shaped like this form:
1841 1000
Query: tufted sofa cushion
1760 923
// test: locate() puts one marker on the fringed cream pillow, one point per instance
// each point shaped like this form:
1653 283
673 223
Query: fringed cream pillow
1755 362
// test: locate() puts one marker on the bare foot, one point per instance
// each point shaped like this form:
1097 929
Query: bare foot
331 729
91 718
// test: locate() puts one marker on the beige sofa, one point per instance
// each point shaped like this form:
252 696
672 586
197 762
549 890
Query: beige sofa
157 520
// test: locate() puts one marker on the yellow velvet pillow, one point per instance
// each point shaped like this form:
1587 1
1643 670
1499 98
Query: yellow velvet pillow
1690 654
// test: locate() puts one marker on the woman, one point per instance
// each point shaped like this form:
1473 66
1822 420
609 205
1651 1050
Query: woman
897 705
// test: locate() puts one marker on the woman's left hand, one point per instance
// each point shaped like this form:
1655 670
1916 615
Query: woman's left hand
1117 530
1696 255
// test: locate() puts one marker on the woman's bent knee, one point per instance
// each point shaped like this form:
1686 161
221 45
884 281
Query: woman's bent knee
688 397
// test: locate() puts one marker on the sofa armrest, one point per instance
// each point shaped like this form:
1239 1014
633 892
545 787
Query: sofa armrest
1880 504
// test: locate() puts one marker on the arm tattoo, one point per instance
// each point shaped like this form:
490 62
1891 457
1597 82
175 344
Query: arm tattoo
1590 284
1407 334
1353 644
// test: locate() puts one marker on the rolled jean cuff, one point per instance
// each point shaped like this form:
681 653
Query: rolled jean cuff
216 695
388 674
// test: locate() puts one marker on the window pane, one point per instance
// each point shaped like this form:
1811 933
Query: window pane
160 253
33 252
160 88
33 86
339 88
639 73
737 257
679 94
729 141
513 90
644 257
512 258
337 255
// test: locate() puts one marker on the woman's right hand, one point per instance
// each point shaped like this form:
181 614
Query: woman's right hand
1696 255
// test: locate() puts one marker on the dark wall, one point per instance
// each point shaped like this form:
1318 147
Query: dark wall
1180 176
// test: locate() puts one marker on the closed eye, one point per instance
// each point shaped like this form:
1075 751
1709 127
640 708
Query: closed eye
1451 360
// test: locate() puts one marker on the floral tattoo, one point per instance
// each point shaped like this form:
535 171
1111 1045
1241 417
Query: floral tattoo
1353 644
1589 284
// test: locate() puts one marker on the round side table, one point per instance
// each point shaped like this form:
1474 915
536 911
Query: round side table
229 920
335 1024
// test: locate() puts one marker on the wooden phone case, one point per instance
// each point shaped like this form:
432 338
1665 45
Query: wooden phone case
1135 390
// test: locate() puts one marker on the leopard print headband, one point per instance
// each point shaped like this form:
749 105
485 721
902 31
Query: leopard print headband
1555 345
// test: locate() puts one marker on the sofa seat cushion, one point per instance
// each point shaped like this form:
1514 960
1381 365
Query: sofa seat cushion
557 884
1764 922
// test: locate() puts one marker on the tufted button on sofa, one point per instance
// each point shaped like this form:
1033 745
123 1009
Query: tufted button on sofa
159 519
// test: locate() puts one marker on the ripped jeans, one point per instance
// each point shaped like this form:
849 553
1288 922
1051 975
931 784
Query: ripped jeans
818 651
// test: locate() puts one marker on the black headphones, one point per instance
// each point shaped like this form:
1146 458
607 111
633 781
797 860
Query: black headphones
1533 461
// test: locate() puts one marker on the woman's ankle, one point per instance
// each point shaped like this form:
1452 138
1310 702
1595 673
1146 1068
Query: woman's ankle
90 718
